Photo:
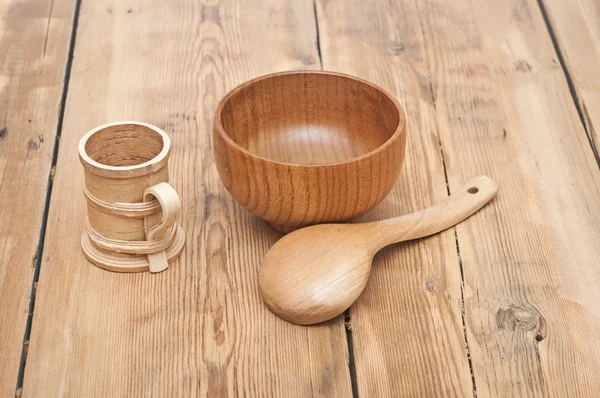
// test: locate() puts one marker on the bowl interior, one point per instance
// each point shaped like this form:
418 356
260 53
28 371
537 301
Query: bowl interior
309 118
124 145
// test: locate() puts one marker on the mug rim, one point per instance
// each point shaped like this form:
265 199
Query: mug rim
104 170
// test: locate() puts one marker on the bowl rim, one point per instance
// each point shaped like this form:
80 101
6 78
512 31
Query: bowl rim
400 129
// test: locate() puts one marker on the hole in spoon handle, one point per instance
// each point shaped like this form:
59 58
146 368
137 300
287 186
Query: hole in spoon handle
456 208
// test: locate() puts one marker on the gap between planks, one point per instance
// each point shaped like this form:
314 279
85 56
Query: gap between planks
577 99
40 248
460 265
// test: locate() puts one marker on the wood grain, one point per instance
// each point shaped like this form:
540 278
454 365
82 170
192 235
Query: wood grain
538 269
310 147
576 26
485 73
406 326
199 328
32 68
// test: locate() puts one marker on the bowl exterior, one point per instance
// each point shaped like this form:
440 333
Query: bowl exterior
291 196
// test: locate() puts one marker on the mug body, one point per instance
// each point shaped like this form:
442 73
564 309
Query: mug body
121 160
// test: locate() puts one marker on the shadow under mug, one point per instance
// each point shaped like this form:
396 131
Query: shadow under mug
132 211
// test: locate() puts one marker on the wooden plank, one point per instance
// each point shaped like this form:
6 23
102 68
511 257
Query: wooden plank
576 26
532 275
407 327
530 260
199 328
34 42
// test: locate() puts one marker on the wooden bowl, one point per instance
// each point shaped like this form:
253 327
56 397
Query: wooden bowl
308 147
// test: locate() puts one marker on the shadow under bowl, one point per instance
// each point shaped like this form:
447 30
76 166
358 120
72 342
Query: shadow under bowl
308 147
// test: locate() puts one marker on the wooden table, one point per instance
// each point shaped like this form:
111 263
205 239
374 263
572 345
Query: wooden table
506 304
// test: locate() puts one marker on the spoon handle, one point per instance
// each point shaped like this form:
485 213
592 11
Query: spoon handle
458 207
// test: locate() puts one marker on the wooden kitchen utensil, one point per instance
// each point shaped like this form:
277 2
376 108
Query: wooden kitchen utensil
308 147
132 210
316 273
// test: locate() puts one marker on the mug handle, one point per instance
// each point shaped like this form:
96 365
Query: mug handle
171 210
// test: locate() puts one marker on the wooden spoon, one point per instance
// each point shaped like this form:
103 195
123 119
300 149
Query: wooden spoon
315 273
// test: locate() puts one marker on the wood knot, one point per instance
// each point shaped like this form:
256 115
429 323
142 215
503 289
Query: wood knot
516 318
307 60
523 66
395 48
210 13
33 145
430 286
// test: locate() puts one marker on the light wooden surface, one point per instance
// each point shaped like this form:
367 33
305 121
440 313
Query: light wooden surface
32 70
506 304
480 85
538 270
576 31
199 328
408 341
314 274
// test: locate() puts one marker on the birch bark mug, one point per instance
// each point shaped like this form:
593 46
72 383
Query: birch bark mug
132 211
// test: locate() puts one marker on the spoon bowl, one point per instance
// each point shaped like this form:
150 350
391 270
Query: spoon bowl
313 274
